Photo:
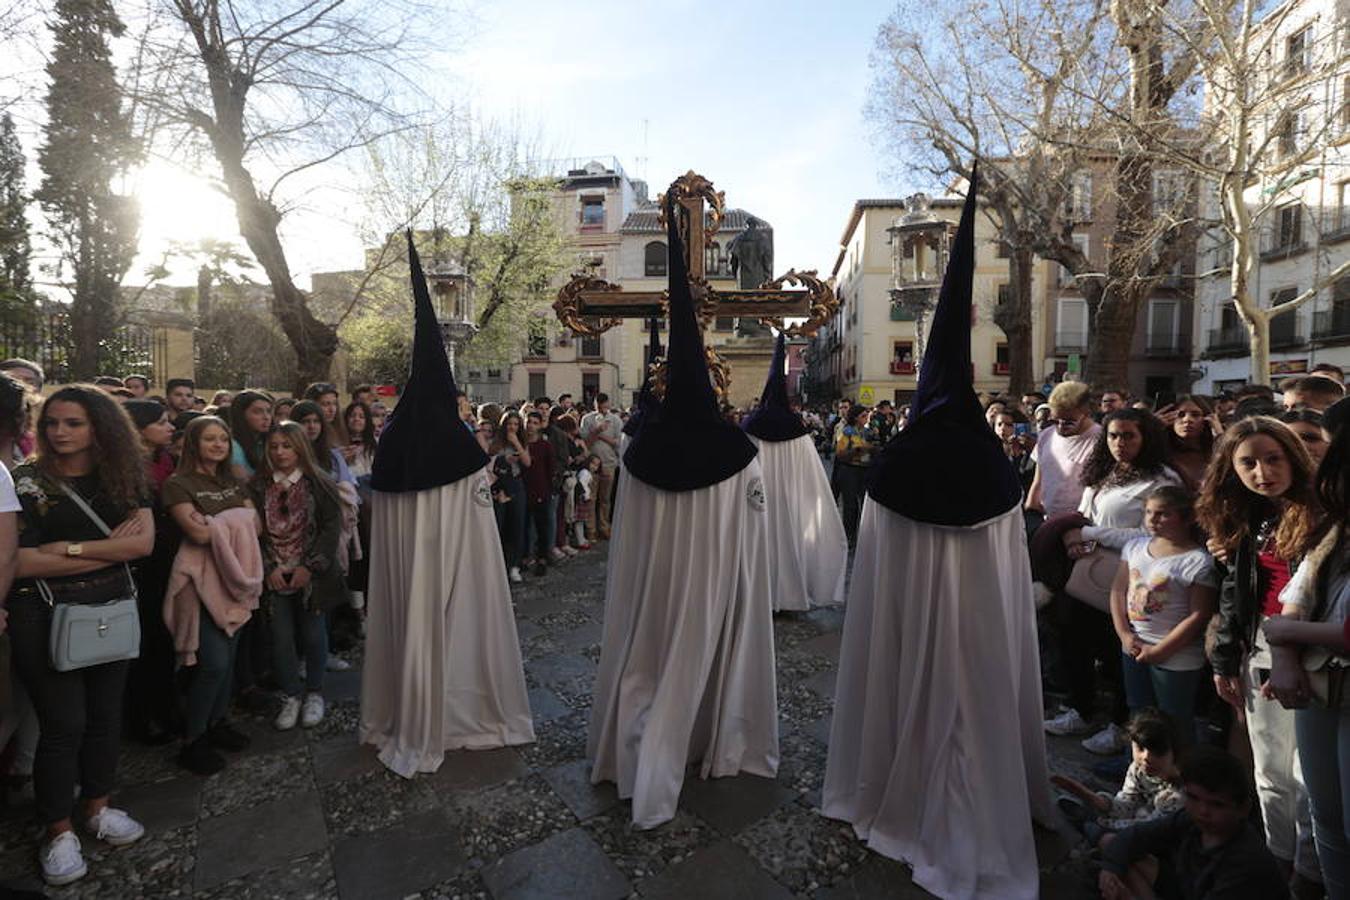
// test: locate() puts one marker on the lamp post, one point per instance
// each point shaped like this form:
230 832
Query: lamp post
920 248
453 291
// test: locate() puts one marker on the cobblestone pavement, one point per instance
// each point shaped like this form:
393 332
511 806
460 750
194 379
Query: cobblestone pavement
308 814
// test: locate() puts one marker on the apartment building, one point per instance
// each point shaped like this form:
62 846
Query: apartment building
1301 206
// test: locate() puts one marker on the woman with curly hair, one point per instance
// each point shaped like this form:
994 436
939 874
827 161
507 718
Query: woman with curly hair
1124 467
86 447
1257 505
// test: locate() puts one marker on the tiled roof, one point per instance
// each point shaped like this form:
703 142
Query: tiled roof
643 221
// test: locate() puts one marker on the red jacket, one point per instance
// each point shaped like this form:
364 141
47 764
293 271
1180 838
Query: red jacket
539 474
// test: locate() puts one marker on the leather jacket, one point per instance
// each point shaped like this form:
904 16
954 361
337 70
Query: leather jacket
1239 614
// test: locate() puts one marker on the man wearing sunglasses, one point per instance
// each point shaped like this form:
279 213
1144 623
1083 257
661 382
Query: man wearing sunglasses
1062 450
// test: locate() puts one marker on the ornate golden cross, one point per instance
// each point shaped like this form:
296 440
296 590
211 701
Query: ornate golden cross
591 306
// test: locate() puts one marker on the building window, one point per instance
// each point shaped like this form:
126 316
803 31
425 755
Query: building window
1162 325
1066 278
1002 361
494 373
589 347
1079 203
538 384
1004 294
590 386
1169 190
1345 104
1286 135
1071 326
654 259
1289 227
1296 52
902 357
1003 250
592 213
537 338
1284 328
1342 206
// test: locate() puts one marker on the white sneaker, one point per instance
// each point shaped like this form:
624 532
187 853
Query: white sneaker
569 550
290 711
62 861
114 826
1067 722
1110 741
514 575
556 555
358 600
312 712
337 664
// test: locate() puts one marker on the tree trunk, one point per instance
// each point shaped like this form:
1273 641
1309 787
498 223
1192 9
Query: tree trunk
1014 317
314 342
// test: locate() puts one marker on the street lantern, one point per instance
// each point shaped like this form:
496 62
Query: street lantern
452 294
920 249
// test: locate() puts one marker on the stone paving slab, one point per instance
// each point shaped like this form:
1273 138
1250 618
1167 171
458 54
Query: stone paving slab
720 872
545 705
877 879
469 770
342 758
420 851
571 781
259 838
569 864
162 805
730 804
826 645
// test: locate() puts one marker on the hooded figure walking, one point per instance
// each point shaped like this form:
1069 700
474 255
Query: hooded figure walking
937 755
686 659
442 659
808 551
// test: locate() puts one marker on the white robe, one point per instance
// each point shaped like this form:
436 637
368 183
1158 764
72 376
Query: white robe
808 552
937 756
686 661
442 662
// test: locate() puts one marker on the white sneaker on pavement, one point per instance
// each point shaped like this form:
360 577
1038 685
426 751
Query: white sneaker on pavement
1067 722
556 555
514 575
337 664
114 826
569 550
290 711
62 861
1110 741
311 713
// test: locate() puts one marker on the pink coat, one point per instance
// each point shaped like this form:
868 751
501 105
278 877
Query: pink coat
225 576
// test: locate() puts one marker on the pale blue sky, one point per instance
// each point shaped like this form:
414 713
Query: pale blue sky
763 97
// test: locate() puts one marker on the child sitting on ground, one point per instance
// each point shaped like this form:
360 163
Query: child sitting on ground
1152 783
1208 851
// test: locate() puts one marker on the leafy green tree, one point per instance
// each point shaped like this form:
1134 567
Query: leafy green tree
16 287
88 145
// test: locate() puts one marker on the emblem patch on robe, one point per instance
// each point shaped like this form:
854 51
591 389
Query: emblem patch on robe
755 494
482 494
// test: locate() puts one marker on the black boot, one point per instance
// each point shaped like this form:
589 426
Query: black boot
199 759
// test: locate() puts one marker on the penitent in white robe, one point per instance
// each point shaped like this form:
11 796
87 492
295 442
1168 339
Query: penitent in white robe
937 756
442 661
686 662
808 551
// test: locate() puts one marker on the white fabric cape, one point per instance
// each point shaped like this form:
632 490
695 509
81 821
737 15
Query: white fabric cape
442 663
686 660
808 552
937 757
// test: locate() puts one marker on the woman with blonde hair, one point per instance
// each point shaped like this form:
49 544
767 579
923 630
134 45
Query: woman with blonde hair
1258 507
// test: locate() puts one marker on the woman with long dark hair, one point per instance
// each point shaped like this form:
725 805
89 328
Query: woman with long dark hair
250 418
1190 425
852 456
1259 509
326 396
1124 467
88 448
509 457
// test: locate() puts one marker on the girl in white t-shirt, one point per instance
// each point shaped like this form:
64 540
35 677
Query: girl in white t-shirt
1162 599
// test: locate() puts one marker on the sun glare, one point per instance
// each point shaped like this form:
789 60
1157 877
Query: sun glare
179 207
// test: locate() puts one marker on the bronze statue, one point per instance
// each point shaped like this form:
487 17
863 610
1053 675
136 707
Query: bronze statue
751 254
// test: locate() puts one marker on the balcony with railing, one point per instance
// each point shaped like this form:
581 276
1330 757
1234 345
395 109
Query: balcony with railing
901 368
1332 325
1070 342
1163 344
1231 340
1283 242
901 314
1282 336
1002 368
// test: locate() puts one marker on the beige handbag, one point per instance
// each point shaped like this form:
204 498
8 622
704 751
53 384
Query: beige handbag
1092 577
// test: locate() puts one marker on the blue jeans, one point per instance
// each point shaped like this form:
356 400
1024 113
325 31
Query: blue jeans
1171 691
1324 752
288 614
208 695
